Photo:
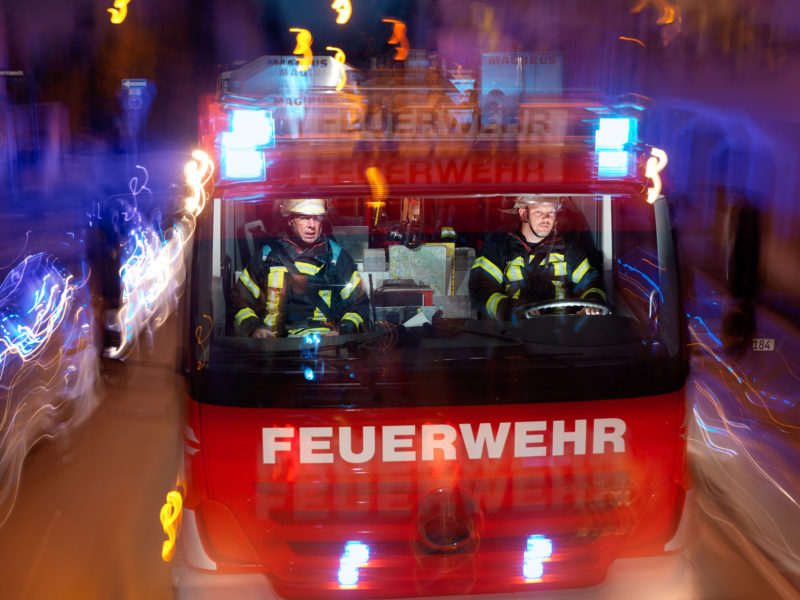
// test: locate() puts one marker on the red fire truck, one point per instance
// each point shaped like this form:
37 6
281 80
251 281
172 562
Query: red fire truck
436 452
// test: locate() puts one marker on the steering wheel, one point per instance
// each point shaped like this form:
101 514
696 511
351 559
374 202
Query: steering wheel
527 310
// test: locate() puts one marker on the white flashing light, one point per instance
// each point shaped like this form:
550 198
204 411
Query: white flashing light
612 163
243 164
539 549
242 156
611 137
613 133
355 555
253 128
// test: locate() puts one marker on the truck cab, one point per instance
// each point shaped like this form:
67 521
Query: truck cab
437 451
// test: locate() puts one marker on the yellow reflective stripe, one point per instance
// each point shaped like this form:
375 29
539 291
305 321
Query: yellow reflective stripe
489 267
354 318
514 270
594 291
561 293
307 330
243 314
492 302
306 268
516 294
582 269
276 277
355 281
559 268
557 256
249 284
275 283
326 297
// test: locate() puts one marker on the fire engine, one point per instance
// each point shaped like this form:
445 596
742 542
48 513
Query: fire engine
436 451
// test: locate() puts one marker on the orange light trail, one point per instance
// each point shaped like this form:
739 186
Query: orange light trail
119 12
303 48
399 38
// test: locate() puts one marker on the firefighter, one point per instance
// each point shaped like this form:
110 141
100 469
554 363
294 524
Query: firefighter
301 283
533 264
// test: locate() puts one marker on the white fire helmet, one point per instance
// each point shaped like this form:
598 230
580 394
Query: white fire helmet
304 206
528 199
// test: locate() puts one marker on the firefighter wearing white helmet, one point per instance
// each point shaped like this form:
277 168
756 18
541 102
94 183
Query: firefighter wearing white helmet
301 283
533 264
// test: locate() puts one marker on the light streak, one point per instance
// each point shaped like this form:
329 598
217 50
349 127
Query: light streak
153 268
745 444
742 379
152 276
202 339
339 57
706 430
303 48
630 39
378 187
667 11
198 173
48 362
119 12
34 299
48 359
655 164
399 38
344 10
170 517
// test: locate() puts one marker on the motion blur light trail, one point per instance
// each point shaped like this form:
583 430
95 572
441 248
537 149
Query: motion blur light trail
153 269
744 435
48 364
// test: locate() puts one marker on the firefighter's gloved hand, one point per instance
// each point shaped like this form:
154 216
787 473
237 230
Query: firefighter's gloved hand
346 327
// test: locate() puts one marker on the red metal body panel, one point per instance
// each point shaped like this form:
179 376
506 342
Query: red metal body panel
420 490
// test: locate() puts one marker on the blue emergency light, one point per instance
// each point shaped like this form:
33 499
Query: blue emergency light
610 139
242 146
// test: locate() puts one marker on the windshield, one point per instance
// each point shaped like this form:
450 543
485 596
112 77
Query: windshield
431 300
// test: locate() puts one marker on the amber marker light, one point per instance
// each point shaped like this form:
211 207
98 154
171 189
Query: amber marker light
344 10
119 12
378 186
197 172
655 164
303 48
171 521
399 38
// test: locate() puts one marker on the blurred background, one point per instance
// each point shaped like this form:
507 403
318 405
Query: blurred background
94 113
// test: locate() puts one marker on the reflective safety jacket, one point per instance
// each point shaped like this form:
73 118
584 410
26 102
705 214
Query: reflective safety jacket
279 296
510 271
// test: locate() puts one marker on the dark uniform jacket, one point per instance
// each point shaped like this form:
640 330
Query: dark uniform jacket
510 271
270 294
